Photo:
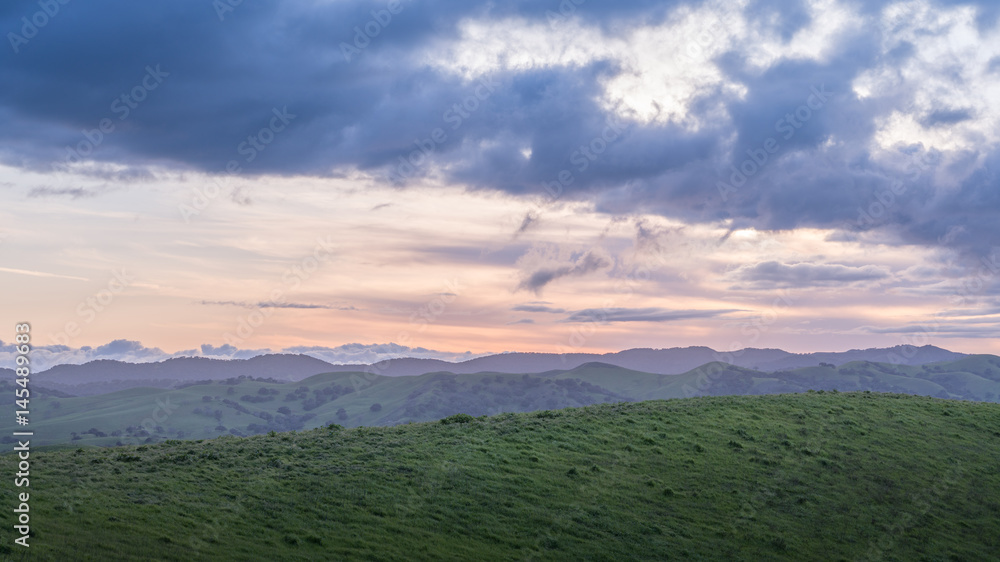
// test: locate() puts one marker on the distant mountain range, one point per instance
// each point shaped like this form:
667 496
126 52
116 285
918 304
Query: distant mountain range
671 361
245 406
98 377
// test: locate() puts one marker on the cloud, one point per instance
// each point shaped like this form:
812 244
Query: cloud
522 321
652 314
651 239
240 196
775 274
938 330
946 117
530 218
41 274
906 103
587 263
269 304
225 351
988 311
46 357
357 353
71 192
537 308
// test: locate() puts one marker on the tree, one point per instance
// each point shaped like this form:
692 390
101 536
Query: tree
375 407
341 414
285 410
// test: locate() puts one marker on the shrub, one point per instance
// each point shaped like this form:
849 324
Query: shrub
457 418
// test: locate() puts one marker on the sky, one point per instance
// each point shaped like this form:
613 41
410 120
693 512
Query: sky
447 179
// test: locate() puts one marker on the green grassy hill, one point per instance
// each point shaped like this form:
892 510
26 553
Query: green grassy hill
245 406
816 476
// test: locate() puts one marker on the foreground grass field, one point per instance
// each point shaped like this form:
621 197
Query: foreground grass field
817 476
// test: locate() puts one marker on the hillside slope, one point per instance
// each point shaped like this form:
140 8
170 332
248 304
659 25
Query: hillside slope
103 376
97 377
818 476
244 406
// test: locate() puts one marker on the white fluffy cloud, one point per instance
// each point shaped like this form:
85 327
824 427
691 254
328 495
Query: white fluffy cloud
46 357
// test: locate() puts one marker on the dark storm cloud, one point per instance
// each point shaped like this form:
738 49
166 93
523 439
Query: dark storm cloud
217 82
940 117
774 274
276 70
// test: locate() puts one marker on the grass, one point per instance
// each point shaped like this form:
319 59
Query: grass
832 476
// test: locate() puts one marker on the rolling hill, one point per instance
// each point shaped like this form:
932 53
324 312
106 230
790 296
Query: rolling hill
244 405
99 377
816 476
